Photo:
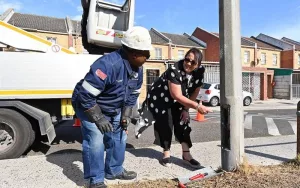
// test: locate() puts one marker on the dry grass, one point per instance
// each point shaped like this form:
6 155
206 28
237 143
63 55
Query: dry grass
285 175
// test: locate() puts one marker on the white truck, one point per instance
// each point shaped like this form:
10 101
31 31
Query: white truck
36 88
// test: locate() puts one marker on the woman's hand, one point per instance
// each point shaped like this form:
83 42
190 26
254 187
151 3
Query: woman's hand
185 116
203 109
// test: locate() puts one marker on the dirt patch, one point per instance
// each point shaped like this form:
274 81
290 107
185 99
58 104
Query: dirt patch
285 175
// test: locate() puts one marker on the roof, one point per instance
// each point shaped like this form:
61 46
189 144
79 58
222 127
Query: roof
156 38
296 43
44 23
76 27
261 44
243 41
181 40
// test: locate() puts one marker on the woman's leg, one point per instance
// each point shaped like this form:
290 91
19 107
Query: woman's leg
163 129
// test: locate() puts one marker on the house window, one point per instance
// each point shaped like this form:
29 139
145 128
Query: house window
180 54
52 40
274 59
246 56
158 53
152 75
263 58
298 59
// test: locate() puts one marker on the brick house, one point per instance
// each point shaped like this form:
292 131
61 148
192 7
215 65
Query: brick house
62 31
167 48
256 57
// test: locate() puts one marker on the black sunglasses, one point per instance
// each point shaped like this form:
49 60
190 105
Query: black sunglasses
193 62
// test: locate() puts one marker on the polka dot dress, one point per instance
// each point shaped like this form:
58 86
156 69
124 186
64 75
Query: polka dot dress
159 98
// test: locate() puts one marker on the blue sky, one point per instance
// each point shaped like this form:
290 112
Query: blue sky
276 18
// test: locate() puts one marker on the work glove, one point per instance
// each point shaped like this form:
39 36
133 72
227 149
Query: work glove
95 115
126 117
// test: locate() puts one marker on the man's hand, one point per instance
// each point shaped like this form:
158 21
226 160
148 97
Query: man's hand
95 115
126 117
103 125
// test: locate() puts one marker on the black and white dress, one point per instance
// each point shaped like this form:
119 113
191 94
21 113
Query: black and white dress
165 110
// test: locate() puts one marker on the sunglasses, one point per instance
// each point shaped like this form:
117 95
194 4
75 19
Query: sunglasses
193 62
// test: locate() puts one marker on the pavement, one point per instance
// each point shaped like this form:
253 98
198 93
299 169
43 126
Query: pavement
269 104
64 169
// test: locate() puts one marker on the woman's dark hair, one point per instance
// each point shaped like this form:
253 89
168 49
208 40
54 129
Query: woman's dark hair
197 53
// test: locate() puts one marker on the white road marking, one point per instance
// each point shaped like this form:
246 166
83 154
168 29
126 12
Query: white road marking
248 122
294 126
272 128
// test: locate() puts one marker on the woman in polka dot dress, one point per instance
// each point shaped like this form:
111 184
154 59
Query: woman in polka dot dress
169 100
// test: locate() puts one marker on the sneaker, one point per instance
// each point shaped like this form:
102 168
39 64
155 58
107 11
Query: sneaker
125 175
166 162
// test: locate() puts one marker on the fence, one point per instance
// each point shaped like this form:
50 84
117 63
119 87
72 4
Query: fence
250 81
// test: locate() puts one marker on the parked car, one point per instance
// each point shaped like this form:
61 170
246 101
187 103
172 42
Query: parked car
210 93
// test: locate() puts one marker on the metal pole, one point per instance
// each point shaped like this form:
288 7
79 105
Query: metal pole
232 129
298 128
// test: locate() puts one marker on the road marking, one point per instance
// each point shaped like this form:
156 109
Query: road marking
294 126
272 128
248 122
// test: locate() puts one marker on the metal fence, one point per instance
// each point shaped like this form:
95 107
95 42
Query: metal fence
296 85
252 83
212 73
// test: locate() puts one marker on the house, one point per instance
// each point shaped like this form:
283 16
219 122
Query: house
290 55
168 46
62 31
256 57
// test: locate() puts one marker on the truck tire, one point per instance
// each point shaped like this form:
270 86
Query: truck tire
16 134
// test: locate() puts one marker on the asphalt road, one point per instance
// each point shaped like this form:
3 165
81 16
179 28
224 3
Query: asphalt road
259 123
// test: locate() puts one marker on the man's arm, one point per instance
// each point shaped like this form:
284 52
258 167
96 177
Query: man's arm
94 83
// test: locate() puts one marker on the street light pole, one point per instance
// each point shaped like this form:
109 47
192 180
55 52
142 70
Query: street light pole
232 129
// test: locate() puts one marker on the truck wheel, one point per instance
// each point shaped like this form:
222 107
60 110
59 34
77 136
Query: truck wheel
85 4
15 134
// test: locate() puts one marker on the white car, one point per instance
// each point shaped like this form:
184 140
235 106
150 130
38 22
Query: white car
210 93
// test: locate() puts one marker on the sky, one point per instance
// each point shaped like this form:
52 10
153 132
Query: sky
276 18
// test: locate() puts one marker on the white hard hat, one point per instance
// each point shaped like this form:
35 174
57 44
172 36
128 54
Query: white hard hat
137 38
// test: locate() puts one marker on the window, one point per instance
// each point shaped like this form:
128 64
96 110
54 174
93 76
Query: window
274 59
206 86
298 59
263 58
152 75
52 40
180 54
246 56
217 87
158 53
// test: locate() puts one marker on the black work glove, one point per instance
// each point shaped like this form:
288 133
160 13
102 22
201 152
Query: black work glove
126 117
95 115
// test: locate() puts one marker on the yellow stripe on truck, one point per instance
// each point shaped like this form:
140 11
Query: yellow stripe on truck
23 32
36 92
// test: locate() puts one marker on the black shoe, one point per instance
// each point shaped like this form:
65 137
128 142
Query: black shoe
98 185
125 175
193 163
166 162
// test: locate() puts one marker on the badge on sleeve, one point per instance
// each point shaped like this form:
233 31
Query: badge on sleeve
101 74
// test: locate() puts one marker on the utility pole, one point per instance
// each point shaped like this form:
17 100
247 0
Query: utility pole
232 120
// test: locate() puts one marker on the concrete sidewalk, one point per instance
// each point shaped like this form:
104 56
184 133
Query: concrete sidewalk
64 169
